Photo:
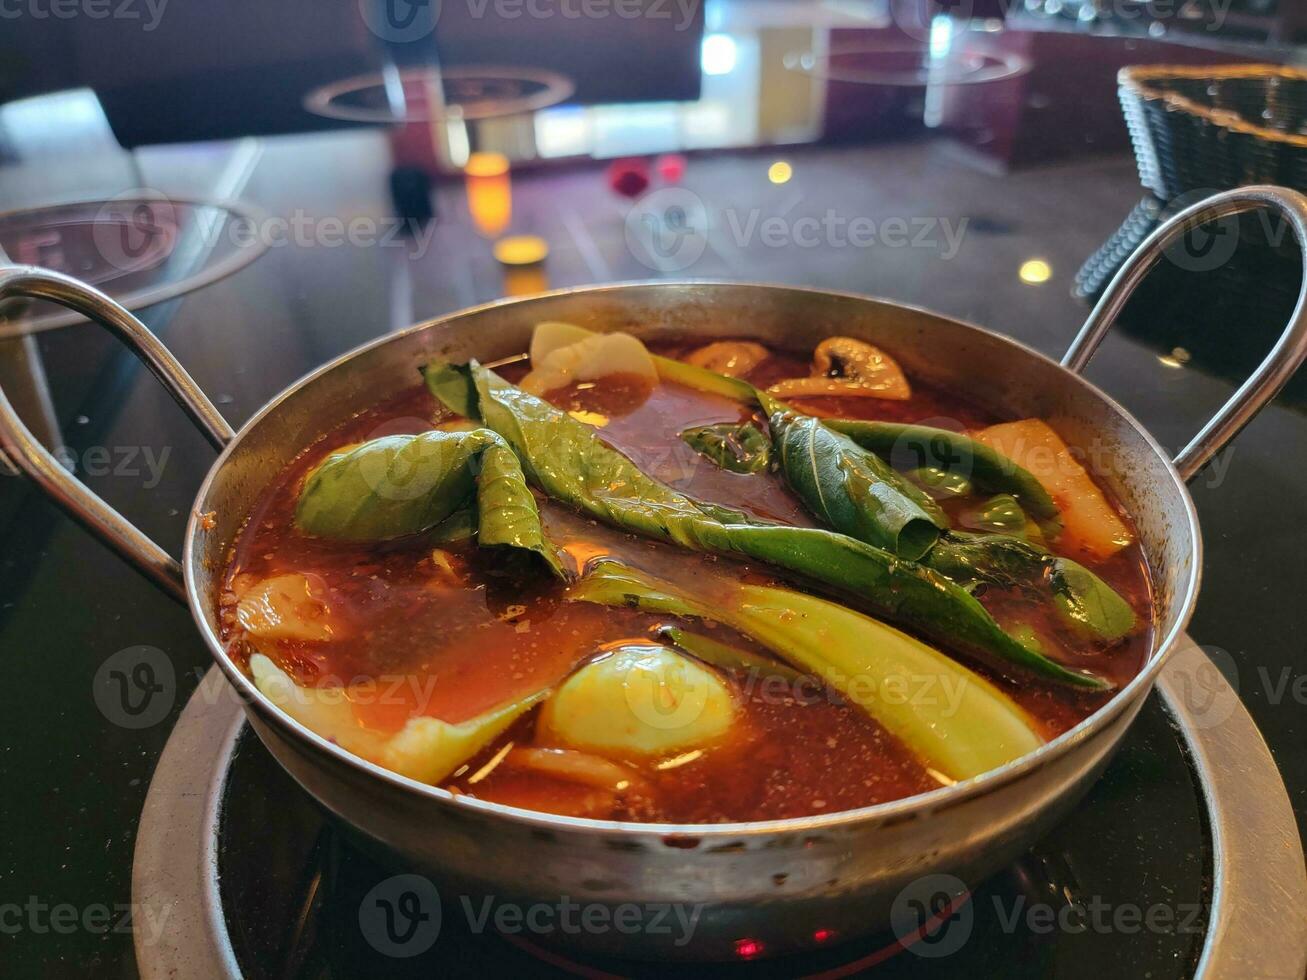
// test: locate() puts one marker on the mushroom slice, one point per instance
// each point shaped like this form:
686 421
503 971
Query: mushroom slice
843 366
733 358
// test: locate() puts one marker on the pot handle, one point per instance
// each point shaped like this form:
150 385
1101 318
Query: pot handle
36 461
1280 364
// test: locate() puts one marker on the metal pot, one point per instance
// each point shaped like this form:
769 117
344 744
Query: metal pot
776 882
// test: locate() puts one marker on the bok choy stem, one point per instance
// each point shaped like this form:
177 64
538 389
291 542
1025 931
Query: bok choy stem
426 749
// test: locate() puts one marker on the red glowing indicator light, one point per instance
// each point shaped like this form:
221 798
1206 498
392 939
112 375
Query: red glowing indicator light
821 935
747 948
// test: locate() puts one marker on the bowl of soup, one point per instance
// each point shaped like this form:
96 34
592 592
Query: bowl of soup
761 601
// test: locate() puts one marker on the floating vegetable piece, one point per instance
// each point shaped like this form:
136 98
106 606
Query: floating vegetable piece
939 483
994 559
852 490
562 354
1083 600
844 367
570 463
1088 518
428 749
740 447
327 711
1000 514
641 700
951 718
405 484
390 486
550 335
451 386
733 358
286 607
506 510
908 447
1087 603
727 657
425 749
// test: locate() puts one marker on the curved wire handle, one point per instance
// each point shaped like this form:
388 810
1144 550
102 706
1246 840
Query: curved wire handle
35 460
1280 364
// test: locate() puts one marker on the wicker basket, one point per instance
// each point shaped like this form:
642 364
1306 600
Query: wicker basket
1201 129
1208 128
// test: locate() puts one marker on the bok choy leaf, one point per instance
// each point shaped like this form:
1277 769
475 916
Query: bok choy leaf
740 447
853 490
405 484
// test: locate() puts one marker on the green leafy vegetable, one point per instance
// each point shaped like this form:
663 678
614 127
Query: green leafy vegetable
1083 600
851 489
995 559
405 484
1000 514
388 487
955 721
570 463
940 483
909 447
740 447
1087 602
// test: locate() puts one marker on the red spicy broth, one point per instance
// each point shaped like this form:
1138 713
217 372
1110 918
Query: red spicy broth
454 634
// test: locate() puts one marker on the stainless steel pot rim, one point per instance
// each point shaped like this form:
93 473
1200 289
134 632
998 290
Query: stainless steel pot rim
920 805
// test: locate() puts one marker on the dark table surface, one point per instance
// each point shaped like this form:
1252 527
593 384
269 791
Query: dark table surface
74 778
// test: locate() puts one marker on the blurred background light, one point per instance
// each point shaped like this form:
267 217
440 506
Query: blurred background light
717 55
1035 271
